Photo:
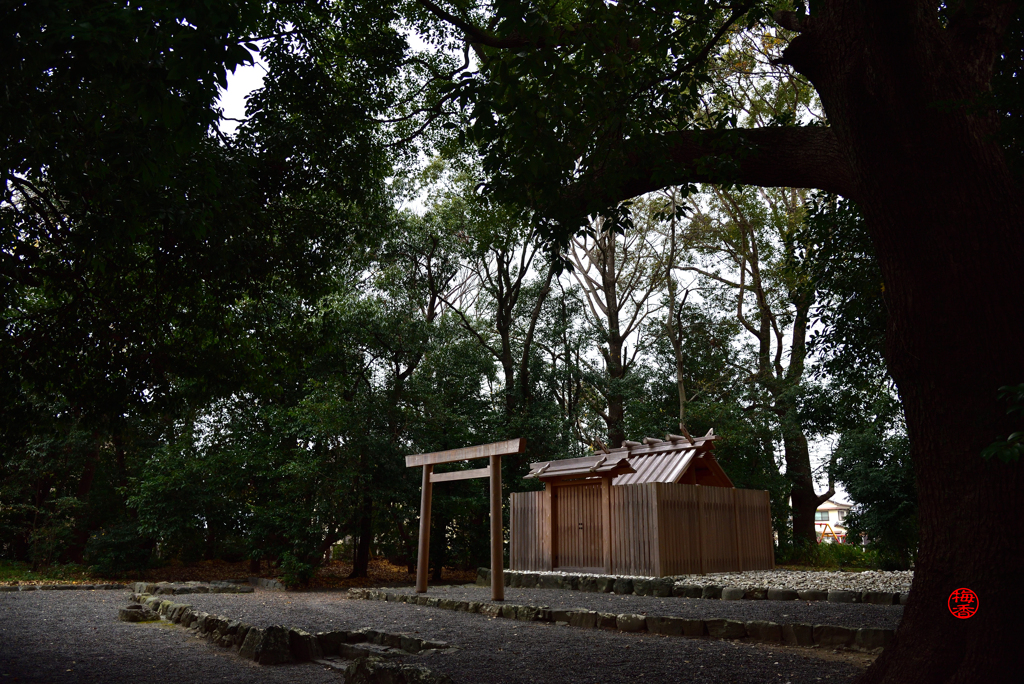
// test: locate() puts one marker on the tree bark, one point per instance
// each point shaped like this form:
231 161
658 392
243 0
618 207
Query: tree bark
947 220
945 214
361 562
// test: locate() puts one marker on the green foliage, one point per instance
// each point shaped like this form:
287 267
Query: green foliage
827 556
118 550
873 463
294 573
1011 448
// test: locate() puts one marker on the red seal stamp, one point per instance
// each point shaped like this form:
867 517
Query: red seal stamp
963 603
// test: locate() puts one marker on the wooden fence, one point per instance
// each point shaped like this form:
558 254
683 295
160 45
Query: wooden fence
657 529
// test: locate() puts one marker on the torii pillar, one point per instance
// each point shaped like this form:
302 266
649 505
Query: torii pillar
493 471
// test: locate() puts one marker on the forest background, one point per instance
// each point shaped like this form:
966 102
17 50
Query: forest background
222 345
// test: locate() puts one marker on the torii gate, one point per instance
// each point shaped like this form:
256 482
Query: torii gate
493 451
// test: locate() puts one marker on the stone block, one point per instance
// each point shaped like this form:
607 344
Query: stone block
528 613
726 629
432 645
831 636
904 597
841 596
756 594
330 642
139 614
549 582
732 593
252 641
374 670
483 577
587 619
669 626
762 630
694 591
409 644
275 647
694 628
473 607
607 620
782 595
490 610
509 612
880 598
605 585
529 580
868 639
798 634
661 588
588 583
243 631
641 587
711 591
514 580
623 585
571 582
559 615
304 646
812 595
628 622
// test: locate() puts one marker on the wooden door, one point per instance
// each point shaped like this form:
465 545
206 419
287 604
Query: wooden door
578 527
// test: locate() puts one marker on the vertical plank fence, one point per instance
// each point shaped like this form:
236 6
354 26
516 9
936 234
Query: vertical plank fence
529 547
657 529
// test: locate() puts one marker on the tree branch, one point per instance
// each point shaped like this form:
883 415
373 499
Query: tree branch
800 157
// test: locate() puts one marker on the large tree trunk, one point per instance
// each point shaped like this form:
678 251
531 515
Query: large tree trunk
945 215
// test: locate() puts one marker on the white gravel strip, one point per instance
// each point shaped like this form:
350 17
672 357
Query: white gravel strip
870 580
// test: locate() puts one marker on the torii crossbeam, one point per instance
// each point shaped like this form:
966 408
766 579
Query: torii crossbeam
493 451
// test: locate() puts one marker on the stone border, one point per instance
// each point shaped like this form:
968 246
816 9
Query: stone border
264 583
177 588
278 644
59 587
866 639
665 587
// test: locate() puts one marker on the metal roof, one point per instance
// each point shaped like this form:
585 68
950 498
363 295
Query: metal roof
591 465
654 460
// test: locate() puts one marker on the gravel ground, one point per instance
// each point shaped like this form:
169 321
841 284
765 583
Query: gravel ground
810 612
500 651
70 637
869 580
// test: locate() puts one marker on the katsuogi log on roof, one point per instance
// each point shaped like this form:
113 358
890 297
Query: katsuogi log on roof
673 460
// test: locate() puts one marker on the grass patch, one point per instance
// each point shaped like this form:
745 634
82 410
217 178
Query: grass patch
845 557
14 572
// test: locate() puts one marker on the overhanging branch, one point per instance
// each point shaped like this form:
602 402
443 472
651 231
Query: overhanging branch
798 157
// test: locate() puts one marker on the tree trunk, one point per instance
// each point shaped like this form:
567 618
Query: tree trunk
945 214
799 474
361 562
76 549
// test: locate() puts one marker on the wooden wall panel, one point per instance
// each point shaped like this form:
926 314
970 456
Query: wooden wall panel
526 532
656 529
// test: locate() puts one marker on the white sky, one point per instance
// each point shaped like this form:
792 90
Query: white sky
245 80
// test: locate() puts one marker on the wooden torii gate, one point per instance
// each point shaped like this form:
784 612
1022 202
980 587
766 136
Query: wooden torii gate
493 451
